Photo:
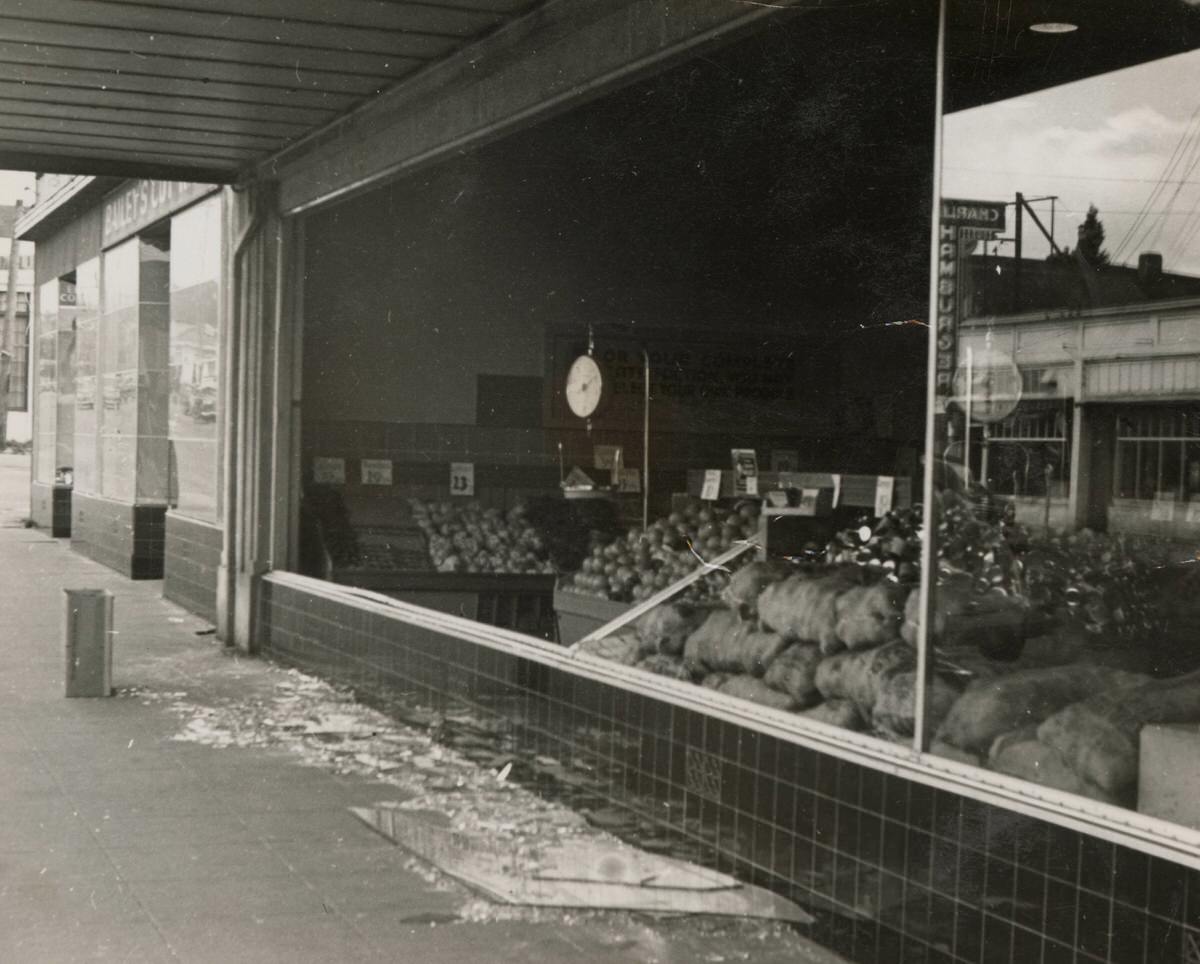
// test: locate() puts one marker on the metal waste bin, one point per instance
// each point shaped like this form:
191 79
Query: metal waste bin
89 622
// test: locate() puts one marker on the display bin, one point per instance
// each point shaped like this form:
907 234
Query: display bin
519 601
577 615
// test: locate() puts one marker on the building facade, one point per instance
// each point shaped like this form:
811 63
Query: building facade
719 240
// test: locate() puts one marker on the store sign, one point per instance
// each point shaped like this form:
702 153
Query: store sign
959 221
140 204
973 214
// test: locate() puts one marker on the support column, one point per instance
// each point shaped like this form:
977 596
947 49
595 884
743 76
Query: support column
1092 451
257 408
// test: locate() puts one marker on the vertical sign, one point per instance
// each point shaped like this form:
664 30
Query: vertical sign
959 221
885 493
745 467
712 485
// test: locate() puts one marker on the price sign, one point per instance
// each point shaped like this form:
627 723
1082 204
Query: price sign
712 485
745 465
462 478
885 490
607 457
751 484
328 471
376 471
1163 509
630 481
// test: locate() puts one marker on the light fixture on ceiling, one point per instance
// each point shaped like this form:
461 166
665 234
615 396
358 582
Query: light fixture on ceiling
1054 27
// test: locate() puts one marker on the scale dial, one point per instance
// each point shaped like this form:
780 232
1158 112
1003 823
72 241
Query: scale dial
586 386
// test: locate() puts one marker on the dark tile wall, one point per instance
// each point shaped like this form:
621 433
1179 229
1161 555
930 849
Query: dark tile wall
124 537
893 870
191 556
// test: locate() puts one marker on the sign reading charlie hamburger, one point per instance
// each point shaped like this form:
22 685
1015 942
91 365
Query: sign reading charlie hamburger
959 221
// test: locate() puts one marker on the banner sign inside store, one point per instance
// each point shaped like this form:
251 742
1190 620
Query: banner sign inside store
137 205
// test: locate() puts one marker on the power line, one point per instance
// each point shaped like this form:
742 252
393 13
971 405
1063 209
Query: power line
1068 177
1187 136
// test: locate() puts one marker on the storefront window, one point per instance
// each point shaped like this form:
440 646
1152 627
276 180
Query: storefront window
46 346
194 375
119 371
673 334
1064 632
87 411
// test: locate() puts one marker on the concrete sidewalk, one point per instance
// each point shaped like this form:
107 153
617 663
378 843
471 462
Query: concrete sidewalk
119 842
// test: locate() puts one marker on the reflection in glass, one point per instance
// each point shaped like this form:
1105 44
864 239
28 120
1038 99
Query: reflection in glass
87 306
193 377
46 347
1067 599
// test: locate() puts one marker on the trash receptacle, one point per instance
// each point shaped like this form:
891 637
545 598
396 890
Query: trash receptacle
89 625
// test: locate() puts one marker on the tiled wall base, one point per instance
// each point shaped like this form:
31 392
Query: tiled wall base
895 871
191 555
127 538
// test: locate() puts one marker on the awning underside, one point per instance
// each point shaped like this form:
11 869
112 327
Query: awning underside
198 89
205 90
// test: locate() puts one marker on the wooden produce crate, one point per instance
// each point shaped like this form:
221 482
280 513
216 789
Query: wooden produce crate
577 615
517 601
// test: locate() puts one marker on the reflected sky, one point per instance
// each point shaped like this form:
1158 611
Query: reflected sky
1127 141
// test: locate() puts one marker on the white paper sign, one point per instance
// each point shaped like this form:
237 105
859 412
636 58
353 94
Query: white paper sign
630 481
751 485
1162 510
885 489
462 478
712 485
328 471
607 457
1193 512
808 501
376 471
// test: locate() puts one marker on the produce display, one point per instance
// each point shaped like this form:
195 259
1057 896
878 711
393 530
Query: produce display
640 563
1041 641
466 537
820 641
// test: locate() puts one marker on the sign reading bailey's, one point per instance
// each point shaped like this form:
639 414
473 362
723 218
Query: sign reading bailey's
138 204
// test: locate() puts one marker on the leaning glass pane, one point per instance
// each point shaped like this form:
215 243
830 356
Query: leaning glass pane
1065 628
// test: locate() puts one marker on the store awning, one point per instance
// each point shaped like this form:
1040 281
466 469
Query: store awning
198 90
209 90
